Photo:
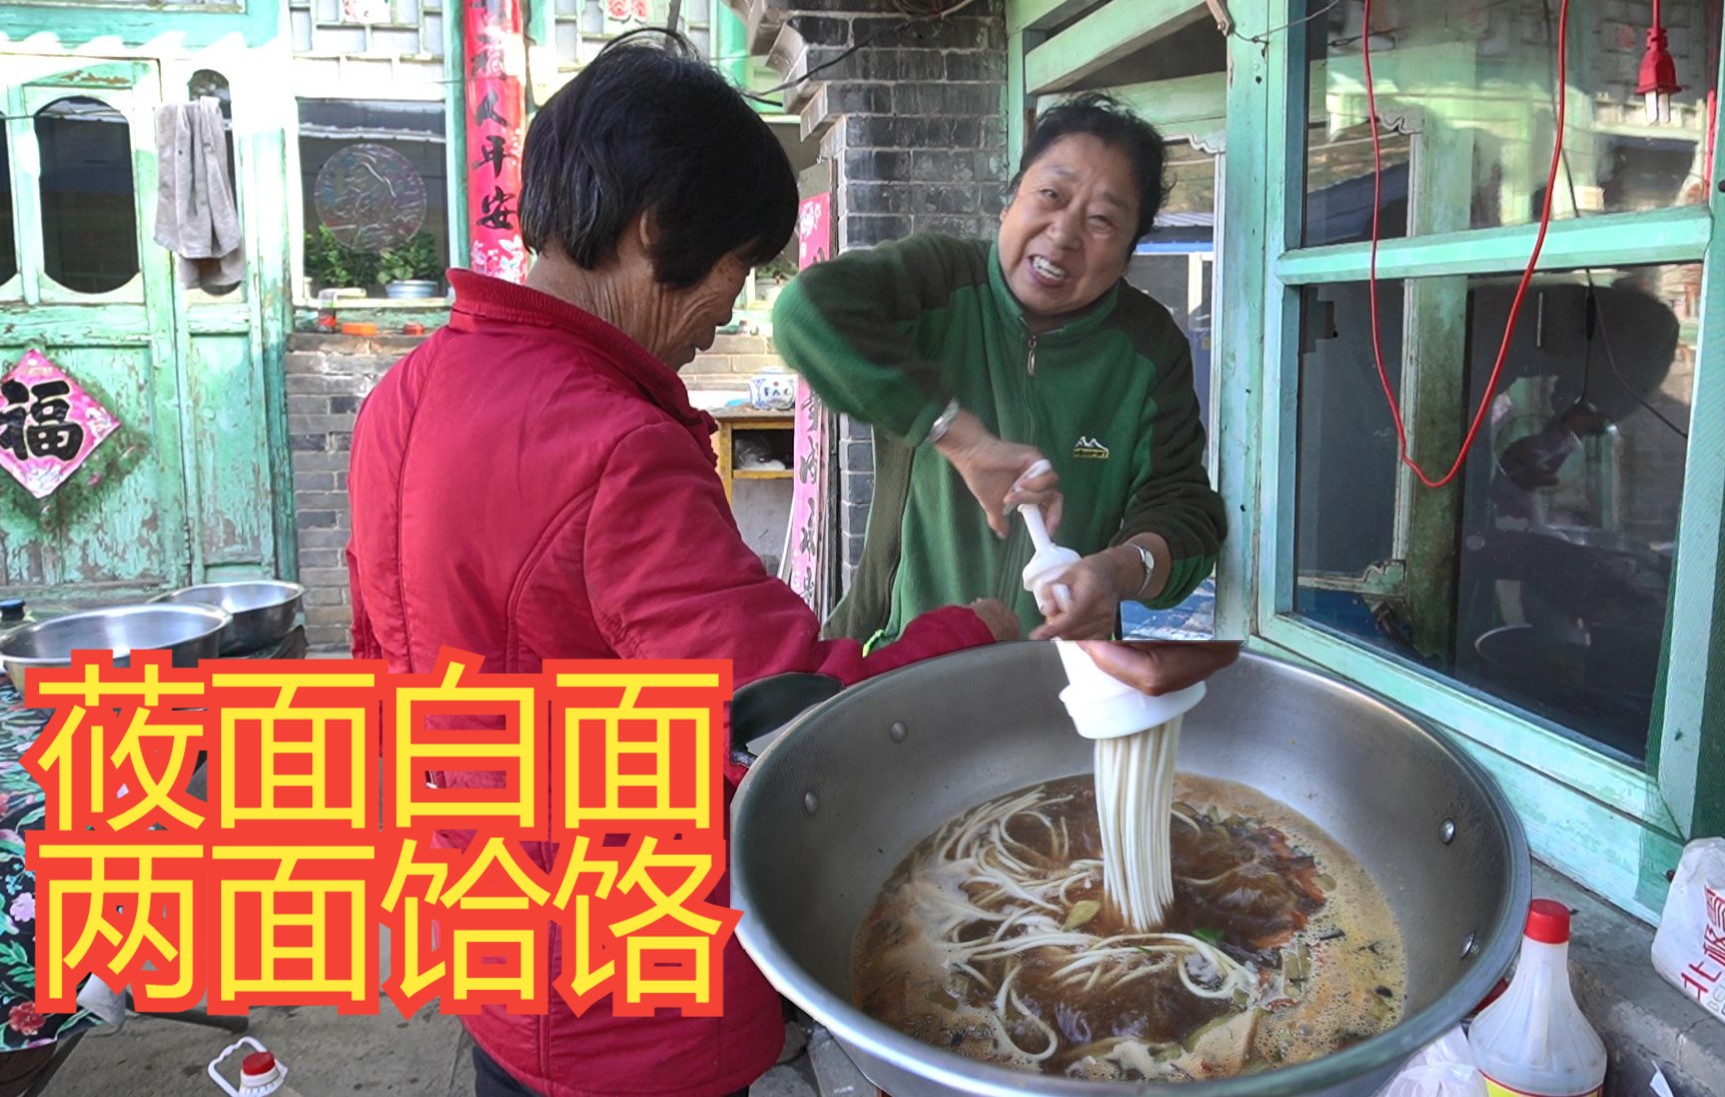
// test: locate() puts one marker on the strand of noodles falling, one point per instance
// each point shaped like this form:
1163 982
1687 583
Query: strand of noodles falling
1135 806
1137 739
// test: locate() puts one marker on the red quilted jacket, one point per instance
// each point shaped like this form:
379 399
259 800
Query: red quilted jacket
530 484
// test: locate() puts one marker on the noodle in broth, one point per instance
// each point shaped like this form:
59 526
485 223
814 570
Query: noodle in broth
995 939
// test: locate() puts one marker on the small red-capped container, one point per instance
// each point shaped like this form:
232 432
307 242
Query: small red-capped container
261 1074
1533 1040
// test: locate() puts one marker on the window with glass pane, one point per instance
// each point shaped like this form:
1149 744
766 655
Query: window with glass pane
1175 263
8 239
376 187
582 27
89 223
1475 84
1556 562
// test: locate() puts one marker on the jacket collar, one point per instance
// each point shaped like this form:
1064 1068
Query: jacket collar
1081 325
480 298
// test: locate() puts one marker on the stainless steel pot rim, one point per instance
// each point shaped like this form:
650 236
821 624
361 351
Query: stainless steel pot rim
216 617
289 592
1500 943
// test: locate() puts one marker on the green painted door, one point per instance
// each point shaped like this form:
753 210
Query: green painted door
181 491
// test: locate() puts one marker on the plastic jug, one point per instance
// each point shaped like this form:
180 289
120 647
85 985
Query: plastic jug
1534 1041
261 1073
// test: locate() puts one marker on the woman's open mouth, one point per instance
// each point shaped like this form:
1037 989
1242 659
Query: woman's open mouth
1046 274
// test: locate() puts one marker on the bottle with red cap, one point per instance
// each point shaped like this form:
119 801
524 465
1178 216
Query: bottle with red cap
261 1074
1534 1041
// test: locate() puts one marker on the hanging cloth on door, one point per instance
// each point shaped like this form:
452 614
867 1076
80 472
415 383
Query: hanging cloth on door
196 217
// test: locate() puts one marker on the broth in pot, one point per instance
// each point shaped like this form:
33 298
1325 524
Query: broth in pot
994 939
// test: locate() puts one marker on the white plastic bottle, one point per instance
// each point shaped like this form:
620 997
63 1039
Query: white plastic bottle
261 1074
1534 1040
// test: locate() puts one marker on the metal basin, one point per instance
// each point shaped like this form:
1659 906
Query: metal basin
191 633
263 610
838 800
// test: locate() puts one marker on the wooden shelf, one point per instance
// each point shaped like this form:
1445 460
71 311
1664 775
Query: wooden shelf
733 421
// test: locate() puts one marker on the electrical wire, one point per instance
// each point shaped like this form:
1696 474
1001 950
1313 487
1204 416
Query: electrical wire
1611 360
1526 276
1263 37
912 20
928 9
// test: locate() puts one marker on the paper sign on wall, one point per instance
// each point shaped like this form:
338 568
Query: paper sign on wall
49 425
811 536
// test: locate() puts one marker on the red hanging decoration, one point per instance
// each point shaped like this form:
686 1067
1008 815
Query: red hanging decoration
1658 74
496 60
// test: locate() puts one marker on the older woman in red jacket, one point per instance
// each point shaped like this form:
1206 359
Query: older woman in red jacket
532 484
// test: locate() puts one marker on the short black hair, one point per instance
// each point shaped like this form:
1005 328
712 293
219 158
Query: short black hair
1107 118
648 126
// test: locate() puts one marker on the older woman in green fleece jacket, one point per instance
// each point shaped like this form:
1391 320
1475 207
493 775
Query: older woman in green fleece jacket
973 360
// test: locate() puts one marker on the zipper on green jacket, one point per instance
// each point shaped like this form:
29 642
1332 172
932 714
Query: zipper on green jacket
1006 583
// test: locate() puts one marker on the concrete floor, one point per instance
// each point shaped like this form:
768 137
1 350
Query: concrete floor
326 1054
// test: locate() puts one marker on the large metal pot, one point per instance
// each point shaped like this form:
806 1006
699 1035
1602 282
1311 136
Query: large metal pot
851 786
190 633
263 610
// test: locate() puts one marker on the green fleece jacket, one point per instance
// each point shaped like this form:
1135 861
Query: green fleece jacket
891 334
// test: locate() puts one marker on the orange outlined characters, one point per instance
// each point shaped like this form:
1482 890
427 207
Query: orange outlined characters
617 762
483 735
487 930
296 743
120 748
683 927
418 971
106 908
672 971
295 925
589 963
627 910
637 744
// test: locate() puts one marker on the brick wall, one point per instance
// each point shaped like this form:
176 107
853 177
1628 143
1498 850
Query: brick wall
730 362
327 377
915 128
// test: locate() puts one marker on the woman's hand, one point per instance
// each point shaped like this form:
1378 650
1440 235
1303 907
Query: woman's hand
1095 587
994 471
1000 620
1162 666
1087 606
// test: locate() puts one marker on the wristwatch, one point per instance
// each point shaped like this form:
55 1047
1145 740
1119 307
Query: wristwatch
1149 560
937 430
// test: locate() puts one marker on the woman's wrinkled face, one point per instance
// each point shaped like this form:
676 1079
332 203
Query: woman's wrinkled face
1067 233
690 317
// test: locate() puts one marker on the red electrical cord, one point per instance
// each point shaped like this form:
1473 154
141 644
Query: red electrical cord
1526 276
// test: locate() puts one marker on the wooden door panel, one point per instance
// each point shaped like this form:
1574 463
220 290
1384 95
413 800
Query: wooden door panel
227 415
111 525
118 524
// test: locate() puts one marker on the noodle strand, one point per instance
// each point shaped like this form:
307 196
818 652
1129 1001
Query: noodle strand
1135 806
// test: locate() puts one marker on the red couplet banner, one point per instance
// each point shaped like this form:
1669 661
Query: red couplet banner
496 104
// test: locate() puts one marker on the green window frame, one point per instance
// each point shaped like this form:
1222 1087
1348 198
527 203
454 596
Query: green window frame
1610 826
1615 828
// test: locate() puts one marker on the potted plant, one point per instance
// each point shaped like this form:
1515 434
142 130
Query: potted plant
411 270
332 265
